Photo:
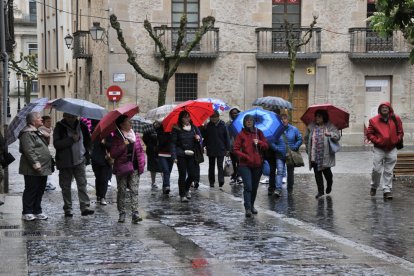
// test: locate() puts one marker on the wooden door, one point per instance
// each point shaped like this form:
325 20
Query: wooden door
300 101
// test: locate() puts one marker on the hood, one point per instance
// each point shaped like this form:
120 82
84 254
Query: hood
389 106
235 108
27 128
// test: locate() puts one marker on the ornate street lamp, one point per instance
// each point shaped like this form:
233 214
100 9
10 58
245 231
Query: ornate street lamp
19 77
68 40
97 32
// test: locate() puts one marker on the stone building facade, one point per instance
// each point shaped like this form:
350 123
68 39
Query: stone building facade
344 63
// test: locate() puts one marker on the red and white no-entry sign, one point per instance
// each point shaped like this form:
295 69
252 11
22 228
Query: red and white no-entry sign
114 93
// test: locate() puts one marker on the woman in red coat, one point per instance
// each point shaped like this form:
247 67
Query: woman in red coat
248 146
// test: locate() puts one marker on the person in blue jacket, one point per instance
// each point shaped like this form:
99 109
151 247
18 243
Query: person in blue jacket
294 141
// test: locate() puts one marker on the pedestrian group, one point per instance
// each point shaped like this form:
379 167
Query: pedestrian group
122 154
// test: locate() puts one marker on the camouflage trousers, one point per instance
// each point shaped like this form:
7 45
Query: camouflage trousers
132 183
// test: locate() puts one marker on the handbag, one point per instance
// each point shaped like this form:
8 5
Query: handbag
8 159
228 167
126 168
198 153
334 146
400 143
293 158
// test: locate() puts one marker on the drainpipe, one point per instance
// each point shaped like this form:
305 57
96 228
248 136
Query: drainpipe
5 187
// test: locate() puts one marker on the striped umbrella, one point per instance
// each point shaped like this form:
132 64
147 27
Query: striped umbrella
19 122
271 102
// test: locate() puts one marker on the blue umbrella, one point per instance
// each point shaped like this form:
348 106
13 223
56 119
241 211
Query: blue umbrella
267 121
272 102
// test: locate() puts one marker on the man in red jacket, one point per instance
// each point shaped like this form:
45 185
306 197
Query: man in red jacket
385 131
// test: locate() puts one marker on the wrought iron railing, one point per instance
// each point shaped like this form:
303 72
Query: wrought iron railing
366 43
271 43
207 48
81 45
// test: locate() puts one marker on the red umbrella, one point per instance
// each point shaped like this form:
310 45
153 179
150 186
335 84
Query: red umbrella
199 112
337 116
107 124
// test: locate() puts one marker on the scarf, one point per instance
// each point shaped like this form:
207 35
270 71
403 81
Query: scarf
318 146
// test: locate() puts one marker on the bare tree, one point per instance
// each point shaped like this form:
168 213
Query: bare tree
171 61
25 65
293 42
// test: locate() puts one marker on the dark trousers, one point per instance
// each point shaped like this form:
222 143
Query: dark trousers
211 169
102 175
235 162
271 159
186 173
251 178
34 187
196 172
327 173
166 164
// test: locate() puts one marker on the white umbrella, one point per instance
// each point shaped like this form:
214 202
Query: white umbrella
159 113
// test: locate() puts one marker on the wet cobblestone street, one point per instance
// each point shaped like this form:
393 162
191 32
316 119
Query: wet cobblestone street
347 233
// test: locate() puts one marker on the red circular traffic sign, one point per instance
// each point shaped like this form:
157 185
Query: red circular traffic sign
114 93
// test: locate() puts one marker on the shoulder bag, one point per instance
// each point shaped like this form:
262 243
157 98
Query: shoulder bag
400 143
293 158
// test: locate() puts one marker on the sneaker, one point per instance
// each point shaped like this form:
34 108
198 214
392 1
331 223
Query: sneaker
121 217
103 201
284 180
50 187
248 213
1 202
109 183
188 195
254 211
265 180
196 185
233 181
28 217
387 195
239 180
154 186
136 217
373 192
328 190
277 193
41 216
166 190
87 212
184 199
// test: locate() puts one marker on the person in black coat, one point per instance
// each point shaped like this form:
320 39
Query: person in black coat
151 149
217 143
101 166
183 141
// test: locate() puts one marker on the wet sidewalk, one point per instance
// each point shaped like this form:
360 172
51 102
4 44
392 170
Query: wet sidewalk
291 235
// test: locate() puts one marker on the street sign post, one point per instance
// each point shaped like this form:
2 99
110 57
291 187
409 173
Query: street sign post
114 93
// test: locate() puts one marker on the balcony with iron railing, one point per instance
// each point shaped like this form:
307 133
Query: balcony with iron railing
367 44
208 48
81 45
271 44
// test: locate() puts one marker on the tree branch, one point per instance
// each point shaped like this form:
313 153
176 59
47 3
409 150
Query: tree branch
131 56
